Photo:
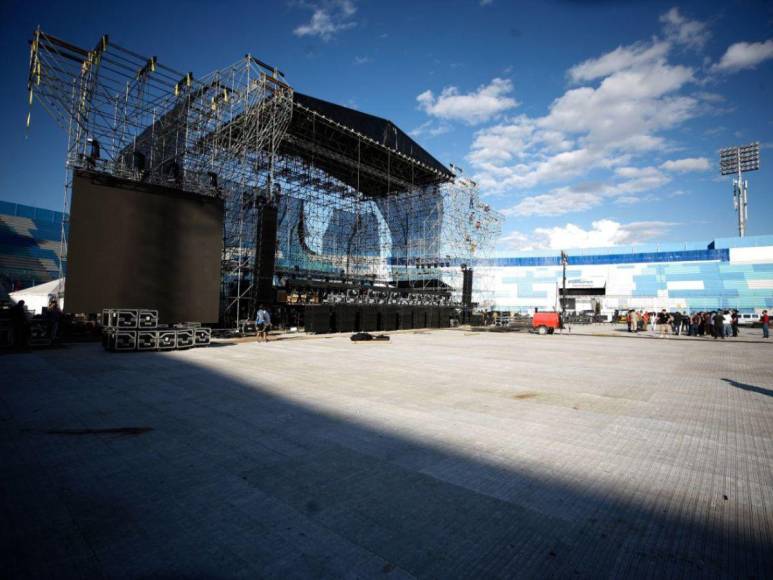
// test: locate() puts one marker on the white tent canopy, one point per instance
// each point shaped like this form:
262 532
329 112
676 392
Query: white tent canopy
37 297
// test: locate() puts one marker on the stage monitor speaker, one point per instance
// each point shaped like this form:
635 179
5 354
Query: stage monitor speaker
265 255
136 243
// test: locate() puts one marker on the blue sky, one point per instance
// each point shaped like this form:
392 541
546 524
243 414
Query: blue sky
586 123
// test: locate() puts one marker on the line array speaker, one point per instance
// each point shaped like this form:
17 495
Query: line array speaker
265 255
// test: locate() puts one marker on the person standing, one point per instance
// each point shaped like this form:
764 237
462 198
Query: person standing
263 323
719 325
727 324
765 320
734 322
676 323
19 325
663 323
54 314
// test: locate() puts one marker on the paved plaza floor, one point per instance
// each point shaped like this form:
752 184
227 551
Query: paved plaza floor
441 454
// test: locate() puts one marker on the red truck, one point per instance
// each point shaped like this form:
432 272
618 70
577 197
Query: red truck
546 322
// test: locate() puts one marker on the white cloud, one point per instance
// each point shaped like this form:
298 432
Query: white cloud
585 129
640 179
486 2
622 58
431 128
602 233
744 55
328 19
678 29
557 202
587 195
687 164
485 103
362 60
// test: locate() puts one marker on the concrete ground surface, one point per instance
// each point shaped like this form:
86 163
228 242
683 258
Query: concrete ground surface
441 454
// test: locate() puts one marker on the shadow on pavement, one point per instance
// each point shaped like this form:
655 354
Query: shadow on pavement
751 388
235 481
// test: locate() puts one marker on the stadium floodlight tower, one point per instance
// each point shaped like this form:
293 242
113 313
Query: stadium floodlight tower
735 161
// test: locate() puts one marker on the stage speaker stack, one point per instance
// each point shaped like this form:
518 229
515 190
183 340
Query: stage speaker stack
137 329
265 255
39 335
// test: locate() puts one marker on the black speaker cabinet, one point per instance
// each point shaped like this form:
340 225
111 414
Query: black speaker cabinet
125 340
202 336
344 318
316 319
147 319
147 340
167 339
368 319
405 321
184 338
434 318
388 318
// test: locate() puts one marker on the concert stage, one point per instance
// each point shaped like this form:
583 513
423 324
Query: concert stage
308 189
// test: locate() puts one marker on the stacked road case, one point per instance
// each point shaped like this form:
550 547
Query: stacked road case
129 329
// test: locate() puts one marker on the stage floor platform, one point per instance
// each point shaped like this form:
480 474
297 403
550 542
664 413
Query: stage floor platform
441 454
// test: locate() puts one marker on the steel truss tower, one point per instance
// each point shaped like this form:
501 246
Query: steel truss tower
349 207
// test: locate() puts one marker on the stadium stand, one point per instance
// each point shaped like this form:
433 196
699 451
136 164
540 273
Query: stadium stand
29 246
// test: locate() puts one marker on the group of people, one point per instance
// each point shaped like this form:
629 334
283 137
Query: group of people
20 322
716 324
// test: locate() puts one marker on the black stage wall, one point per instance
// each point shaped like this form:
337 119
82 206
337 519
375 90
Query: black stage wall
141 245
324 318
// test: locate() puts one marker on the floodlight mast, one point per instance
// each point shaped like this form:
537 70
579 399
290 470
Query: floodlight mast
737 160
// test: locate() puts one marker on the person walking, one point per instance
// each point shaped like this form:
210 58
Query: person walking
263 323
719 325
765 320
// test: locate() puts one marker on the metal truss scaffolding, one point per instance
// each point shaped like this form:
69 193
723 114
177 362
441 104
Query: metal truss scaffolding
350 207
